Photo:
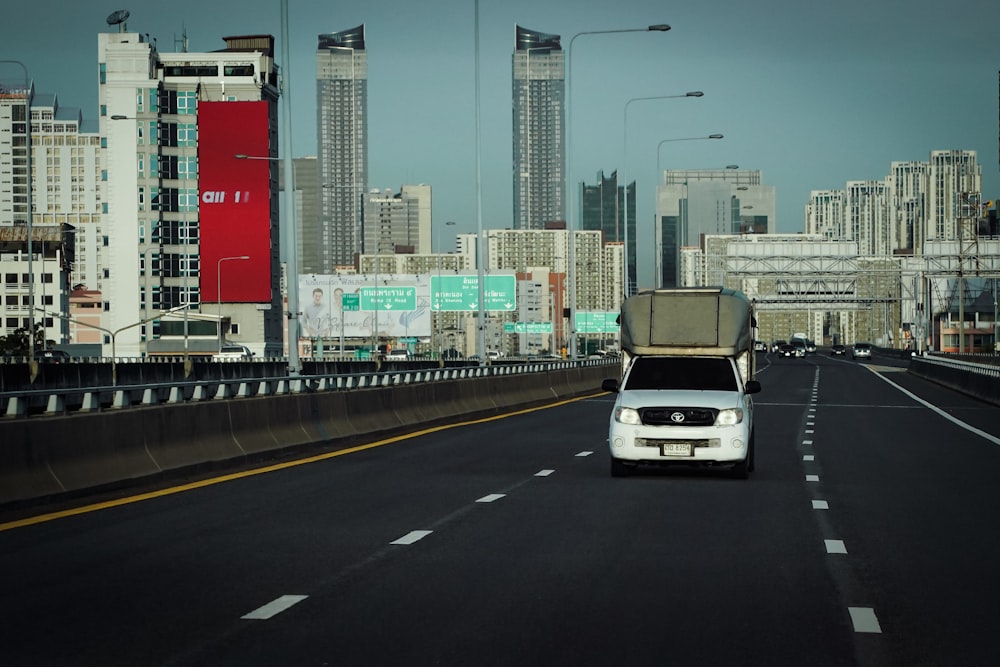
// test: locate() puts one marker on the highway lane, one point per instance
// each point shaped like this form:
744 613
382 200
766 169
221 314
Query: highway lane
531 553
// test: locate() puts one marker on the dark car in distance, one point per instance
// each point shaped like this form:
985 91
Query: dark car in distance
838 349
786 350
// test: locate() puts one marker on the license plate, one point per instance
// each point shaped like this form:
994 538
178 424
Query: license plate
676 449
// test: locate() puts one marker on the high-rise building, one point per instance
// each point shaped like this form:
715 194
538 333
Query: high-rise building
866 217
342 135
186 221
603 209
951 173
696 202
398 222
65 203
539 129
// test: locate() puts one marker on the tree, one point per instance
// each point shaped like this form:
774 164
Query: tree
16 343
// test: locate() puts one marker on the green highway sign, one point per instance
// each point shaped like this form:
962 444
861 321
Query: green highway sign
450 293
596 321
350 302
527 327
388 298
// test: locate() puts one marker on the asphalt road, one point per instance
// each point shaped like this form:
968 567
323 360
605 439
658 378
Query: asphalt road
866 536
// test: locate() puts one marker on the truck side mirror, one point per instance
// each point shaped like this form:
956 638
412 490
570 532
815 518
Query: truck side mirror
610 385
752 387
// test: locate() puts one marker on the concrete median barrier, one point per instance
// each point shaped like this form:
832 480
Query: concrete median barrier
46 457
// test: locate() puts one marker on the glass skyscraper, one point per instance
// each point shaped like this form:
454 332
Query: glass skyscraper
539 130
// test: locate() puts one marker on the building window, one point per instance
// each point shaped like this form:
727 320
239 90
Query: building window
104 72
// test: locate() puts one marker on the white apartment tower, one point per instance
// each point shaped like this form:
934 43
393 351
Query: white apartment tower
188 223
866 217
342 135
951 173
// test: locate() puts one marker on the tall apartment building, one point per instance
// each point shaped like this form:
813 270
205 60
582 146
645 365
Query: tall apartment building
907 183
539 129
866 217
398 222
65 201
951 173
186 221
697 202
603 208
342 135
915 203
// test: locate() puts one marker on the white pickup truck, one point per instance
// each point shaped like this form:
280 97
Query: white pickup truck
687 375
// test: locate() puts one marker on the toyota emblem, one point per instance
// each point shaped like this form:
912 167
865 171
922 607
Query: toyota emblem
677 417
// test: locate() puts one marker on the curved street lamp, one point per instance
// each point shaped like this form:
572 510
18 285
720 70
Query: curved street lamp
625 263
570 198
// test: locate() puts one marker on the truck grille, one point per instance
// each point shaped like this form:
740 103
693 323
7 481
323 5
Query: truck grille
678 416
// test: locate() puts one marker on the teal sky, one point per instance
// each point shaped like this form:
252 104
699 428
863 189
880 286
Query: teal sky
812 94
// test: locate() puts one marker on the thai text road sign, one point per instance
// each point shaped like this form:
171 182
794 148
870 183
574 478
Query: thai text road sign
596 321
527 327
462 293
350 302
388 298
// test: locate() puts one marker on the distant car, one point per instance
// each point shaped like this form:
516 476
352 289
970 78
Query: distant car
233 353
861 351
786 350
51 356
810 347
838 349
776 345
800 347
759 346
493 354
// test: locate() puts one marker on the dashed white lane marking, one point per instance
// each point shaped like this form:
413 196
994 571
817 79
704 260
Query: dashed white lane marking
864 620
835 546
808 457
809 430
412 536
821 505
585 453
274 607
812 478
544 473
491 498
807 442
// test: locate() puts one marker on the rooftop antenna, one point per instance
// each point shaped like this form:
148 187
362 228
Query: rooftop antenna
183 40
118 18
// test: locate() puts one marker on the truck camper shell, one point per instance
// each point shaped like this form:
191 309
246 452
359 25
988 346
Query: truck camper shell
694 321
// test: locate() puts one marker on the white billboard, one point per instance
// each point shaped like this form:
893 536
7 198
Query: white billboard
331 306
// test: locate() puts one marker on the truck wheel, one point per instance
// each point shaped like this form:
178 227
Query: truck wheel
741 470
751 453
619 469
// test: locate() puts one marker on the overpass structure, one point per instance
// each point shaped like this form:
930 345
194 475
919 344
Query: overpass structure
806 283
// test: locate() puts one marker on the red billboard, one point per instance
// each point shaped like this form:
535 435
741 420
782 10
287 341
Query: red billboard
234 202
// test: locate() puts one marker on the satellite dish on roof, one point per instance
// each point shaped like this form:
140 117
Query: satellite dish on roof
118 18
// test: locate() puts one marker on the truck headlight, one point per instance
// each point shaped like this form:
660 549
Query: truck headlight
729 416
627 416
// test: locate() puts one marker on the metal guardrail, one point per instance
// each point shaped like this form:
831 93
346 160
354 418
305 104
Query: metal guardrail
80 400
979 380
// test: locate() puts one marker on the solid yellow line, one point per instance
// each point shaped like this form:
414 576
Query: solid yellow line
95 507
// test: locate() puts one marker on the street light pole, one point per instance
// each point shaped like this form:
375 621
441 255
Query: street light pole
291 233
111 334
218 294
625 263
437 302
570 198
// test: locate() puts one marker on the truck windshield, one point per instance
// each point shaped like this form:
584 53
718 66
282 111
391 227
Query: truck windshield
706 373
